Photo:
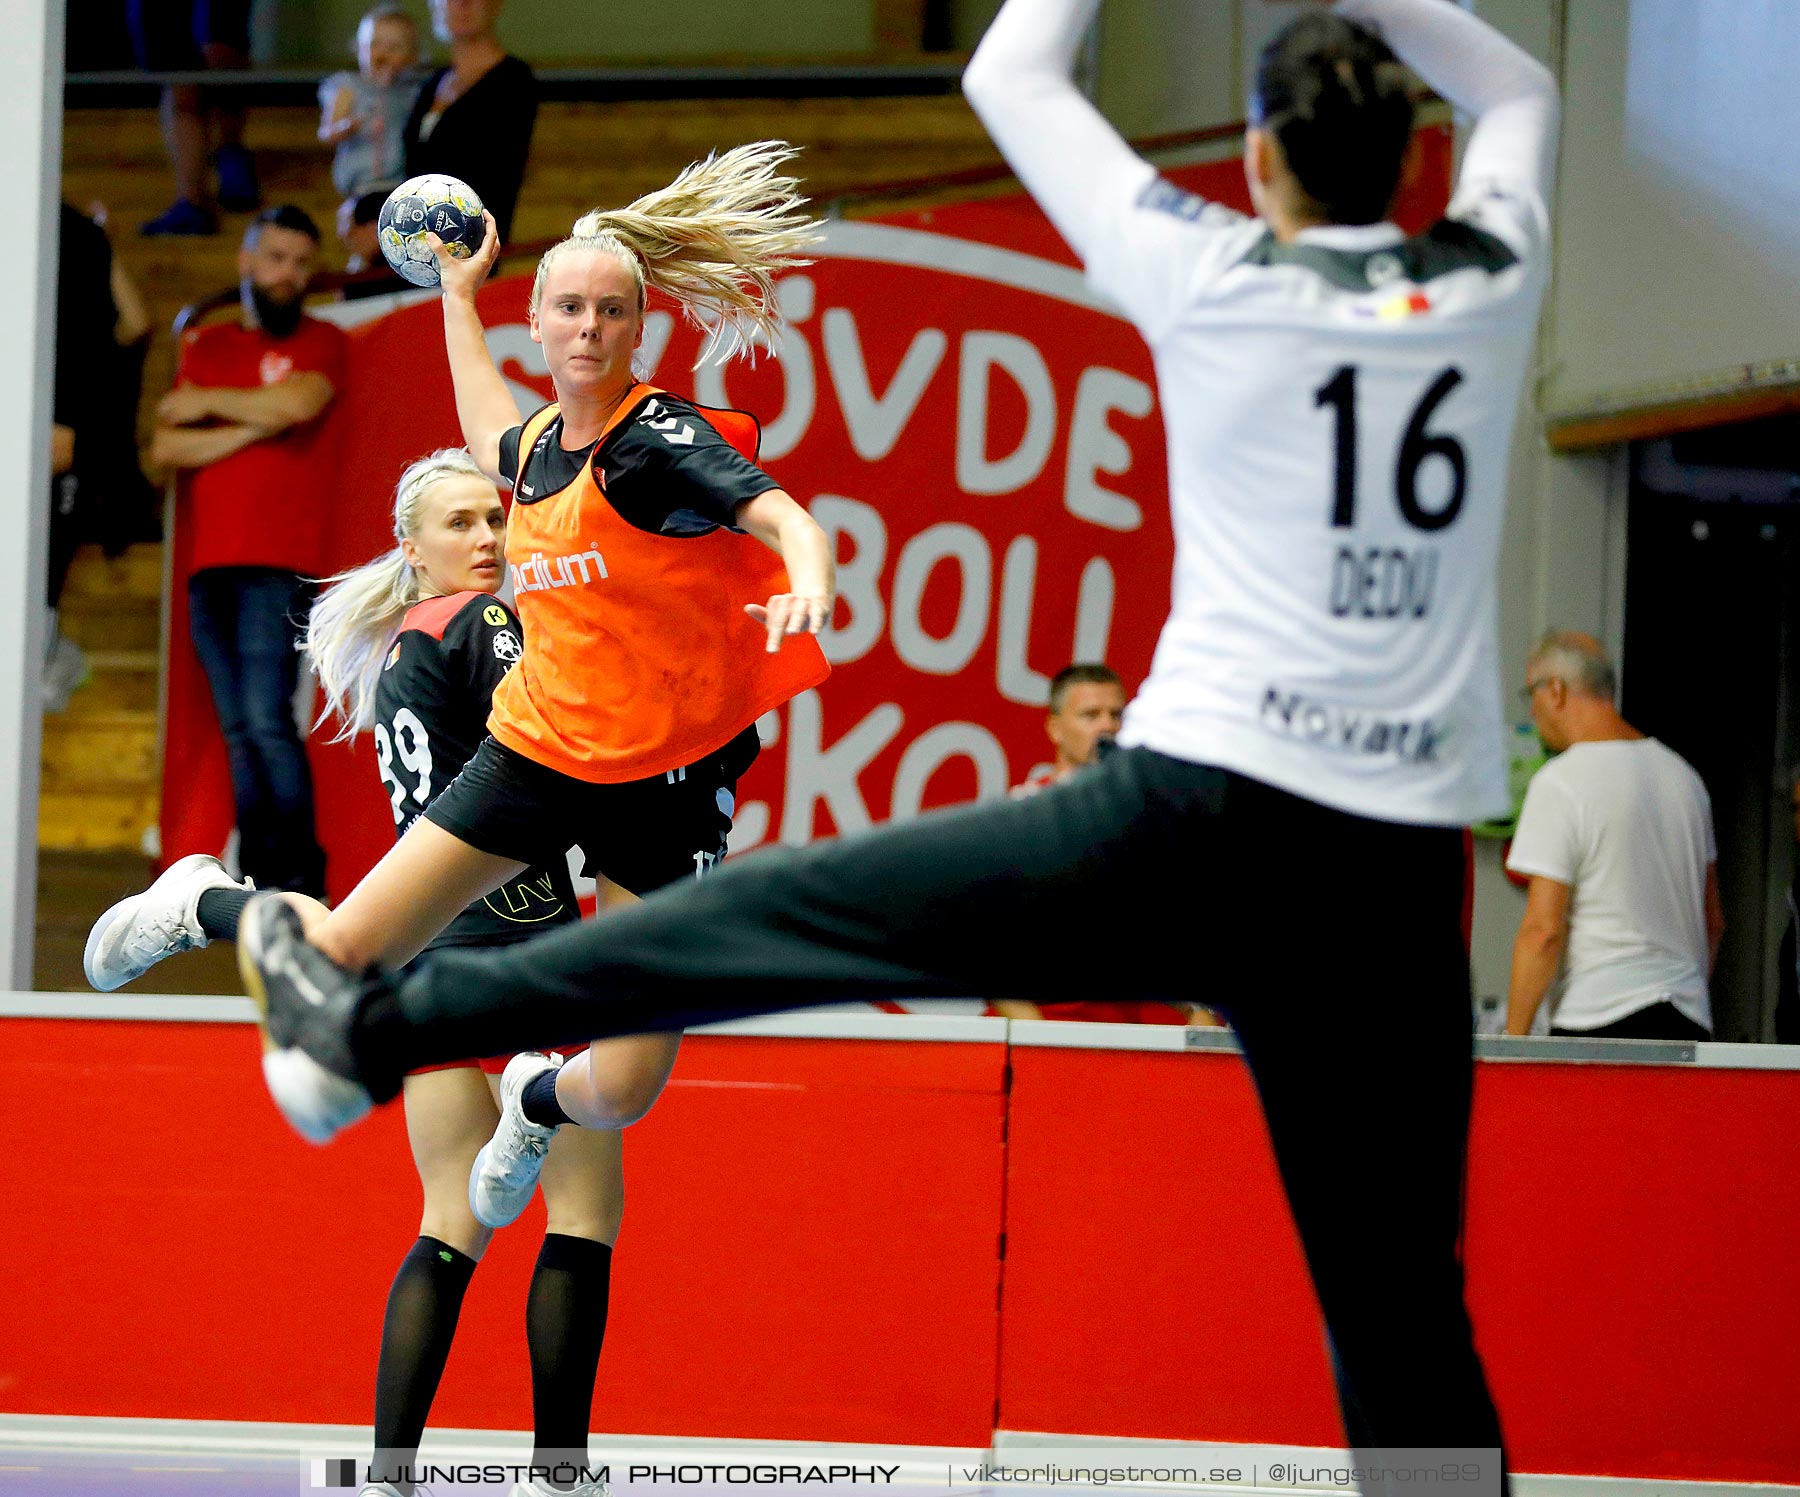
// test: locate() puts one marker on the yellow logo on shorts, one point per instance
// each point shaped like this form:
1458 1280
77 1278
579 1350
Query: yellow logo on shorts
496 615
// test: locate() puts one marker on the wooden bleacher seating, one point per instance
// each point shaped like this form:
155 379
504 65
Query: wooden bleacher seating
100 757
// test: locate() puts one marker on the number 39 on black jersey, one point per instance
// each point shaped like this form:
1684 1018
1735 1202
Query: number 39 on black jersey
431 710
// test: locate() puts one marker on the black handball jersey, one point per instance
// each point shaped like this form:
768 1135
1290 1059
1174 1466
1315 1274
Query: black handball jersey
431 712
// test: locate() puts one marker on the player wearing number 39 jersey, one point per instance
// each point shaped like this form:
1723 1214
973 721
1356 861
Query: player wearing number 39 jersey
410 648
1279 831
431 707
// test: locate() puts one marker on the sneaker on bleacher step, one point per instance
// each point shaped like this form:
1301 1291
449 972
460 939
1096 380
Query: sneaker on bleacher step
182 217
138 932
66 671
239 191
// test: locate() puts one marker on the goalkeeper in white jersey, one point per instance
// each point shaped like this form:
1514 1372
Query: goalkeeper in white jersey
1323 713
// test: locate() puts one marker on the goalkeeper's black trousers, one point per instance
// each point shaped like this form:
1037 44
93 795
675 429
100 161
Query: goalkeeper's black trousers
1333 943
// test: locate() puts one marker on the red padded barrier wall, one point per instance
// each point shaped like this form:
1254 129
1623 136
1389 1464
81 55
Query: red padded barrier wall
810 1249
1630 1247
1634 1267
812 1252
1154 1284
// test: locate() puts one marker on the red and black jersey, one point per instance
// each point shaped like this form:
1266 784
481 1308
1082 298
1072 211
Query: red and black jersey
431 710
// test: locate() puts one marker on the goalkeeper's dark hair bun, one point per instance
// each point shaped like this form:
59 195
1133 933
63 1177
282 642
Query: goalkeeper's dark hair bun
1336 98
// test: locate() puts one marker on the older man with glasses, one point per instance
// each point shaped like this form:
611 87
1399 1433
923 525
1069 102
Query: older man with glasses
1623 915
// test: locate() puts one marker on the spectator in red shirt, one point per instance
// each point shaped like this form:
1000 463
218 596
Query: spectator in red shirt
244 423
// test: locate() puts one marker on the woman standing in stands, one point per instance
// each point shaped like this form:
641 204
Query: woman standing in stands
473 119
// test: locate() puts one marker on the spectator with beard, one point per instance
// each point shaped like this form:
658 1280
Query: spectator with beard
244 424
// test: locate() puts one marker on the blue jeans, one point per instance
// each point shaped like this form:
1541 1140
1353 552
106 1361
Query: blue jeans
245 621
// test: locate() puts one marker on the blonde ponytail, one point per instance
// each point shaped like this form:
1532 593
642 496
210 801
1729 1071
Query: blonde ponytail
714 239
355 621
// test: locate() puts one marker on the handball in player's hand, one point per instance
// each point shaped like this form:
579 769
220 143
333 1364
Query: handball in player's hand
428 205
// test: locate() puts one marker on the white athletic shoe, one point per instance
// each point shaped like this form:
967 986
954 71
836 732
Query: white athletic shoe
138 932
505 1172
380 1489
594 1488
308 1007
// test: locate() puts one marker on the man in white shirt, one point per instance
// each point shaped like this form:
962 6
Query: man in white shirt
1616 838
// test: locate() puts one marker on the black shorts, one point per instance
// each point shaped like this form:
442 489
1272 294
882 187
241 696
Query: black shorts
167 36
640 834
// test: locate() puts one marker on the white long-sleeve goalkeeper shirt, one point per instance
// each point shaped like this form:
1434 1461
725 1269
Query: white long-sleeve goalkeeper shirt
1339 414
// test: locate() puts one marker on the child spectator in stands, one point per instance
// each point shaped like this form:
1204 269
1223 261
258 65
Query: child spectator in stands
473 119
356 231
364 113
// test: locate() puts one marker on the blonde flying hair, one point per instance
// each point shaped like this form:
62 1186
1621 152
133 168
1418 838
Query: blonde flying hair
714 239
354 622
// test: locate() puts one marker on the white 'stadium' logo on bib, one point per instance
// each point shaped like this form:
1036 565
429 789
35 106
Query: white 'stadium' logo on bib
542 573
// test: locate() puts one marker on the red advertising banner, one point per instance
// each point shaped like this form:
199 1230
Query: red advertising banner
977 430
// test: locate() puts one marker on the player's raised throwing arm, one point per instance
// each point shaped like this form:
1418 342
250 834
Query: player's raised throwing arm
484 402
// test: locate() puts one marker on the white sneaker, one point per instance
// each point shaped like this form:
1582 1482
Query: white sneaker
138 932
594 1488
505 1172
308 1008
380 1489
66 671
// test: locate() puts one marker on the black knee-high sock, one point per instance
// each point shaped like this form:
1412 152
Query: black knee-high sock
219 911
422 1308
565 1322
